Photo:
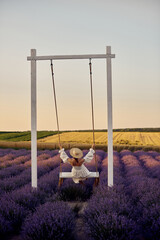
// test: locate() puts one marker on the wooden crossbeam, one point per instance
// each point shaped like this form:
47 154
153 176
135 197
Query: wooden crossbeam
65 57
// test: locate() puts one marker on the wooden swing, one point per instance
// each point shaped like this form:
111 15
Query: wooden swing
63 175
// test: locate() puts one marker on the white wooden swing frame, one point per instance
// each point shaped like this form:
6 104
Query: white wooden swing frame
34 58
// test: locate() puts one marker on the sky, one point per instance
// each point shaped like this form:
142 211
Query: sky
52 27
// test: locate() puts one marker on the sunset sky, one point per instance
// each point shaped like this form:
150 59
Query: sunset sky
130 27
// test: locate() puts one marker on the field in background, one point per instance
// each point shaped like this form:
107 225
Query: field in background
26 135
133 139
119 138
23 136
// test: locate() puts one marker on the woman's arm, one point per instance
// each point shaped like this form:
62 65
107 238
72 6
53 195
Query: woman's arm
89 155
63 155
81 161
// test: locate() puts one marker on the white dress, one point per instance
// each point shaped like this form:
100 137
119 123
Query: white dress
78 172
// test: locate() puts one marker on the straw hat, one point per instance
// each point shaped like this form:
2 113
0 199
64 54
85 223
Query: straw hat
76 152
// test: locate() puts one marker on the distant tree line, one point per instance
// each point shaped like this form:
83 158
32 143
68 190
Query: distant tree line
123 130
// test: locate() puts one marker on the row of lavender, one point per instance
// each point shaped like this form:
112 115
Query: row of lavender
131 209
18 172
18 201
116 209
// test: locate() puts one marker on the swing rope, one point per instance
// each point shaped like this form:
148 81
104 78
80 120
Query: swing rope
91 87
56 109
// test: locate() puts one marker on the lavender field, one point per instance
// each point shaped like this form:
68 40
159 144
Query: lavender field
128 211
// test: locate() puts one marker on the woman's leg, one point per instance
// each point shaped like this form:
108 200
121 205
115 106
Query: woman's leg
82 183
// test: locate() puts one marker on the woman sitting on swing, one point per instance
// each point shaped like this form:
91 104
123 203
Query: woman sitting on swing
79 171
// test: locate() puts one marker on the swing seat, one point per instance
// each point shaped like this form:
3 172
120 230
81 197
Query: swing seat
69 175
63 175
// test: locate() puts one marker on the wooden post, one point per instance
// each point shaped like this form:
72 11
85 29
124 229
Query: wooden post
33 121
110 131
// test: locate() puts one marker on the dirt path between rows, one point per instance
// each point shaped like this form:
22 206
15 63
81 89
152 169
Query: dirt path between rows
79 208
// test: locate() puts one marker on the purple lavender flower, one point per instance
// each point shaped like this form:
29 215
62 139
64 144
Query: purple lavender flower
5 226
50 221
11 171
109 215
13 213
26 197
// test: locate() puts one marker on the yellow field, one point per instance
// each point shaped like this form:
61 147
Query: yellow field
120 138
